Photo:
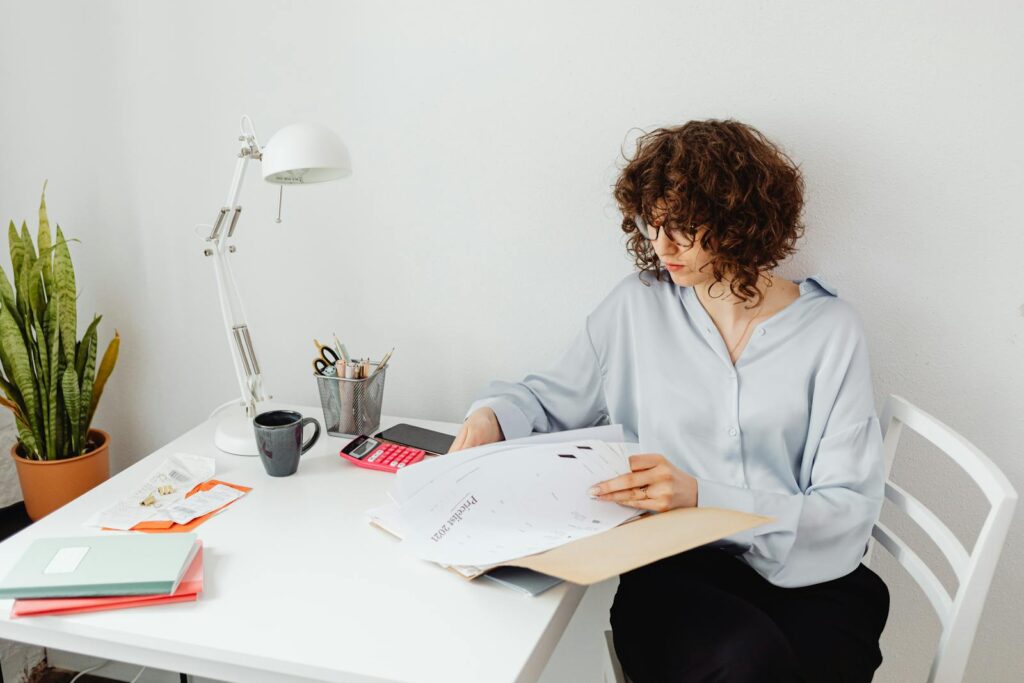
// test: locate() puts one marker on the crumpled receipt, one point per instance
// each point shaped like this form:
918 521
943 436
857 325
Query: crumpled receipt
161 497
203 502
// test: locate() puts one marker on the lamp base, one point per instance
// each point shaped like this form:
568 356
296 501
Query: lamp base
234 432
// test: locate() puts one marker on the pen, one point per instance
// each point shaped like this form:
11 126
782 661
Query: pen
340 348
383 362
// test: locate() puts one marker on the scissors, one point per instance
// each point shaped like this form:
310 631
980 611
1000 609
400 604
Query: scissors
326 359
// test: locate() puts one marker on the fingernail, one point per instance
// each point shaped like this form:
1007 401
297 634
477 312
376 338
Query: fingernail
593 491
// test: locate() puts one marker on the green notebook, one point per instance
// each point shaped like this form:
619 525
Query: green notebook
83 566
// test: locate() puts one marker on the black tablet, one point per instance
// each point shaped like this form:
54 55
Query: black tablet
418 437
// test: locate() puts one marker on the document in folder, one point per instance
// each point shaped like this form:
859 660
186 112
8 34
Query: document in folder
513 503
638 543
528 507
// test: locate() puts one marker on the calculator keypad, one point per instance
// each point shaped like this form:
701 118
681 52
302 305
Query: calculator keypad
392 455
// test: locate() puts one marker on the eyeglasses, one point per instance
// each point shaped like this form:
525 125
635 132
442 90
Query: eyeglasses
651 232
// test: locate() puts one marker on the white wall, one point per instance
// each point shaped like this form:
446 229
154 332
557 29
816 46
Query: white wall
478 227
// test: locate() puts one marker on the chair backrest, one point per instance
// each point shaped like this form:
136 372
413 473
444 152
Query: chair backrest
959 613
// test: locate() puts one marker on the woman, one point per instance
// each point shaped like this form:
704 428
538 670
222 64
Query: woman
747 391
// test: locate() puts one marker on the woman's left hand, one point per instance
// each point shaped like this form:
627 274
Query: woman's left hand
654 484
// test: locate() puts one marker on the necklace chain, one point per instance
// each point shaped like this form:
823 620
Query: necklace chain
749 323
745 330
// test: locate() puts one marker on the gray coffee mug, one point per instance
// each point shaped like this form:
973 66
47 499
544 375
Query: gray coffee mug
279 440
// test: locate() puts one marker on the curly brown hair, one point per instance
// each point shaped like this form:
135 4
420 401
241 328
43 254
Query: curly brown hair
724 176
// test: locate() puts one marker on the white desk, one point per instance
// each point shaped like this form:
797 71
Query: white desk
300 587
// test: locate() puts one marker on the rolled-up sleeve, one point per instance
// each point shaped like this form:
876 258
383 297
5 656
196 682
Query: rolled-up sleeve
568 395
819 533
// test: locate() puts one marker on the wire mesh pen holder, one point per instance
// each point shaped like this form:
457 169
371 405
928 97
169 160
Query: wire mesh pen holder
352 406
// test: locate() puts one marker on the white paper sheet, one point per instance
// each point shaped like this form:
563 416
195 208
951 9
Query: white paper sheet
389 518
410 480
179 474
202 502
513 502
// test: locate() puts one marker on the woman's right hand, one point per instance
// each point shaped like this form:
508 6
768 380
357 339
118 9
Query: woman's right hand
481 427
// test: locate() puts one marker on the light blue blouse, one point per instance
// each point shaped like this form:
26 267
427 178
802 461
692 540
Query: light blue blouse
789 432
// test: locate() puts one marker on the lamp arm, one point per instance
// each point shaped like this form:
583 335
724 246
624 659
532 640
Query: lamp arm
243 355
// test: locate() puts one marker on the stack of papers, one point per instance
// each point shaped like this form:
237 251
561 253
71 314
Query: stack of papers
102 566
479 508
187 591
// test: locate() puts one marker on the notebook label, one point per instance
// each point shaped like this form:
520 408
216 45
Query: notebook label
66 560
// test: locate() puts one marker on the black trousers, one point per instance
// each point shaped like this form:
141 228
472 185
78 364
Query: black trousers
704 615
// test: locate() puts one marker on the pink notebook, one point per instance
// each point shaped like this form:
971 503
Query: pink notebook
188 590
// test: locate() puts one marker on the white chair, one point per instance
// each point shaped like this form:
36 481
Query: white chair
959 613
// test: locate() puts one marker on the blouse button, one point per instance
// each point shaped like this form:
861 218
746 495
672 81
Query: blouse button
760 331
732 431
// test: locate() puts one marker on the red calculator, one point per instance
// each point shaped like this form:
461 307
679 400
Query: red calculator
378 454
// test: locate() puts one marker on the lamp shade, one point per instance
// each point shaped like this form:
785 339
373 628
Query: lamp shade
305 153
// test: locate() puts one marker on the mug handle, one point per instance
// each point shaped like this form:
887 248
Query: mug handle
316 433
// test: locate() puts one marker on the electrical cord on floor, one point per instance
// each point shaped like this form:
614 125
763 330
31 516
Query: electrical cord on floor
89 670
104 663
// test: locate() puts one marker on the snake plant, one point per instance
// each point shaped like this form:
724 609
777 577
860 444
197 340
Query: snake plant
49 378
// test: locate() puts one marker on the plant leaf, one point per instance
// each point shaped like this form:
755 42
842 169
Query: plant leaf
12 406
21 369
38 291
64 281
5 359
12 392
72 402
41 354
89 342
81 355
27 329
17 249
63 448
28 290
35 268
106 367
22 293
63 436
45 244
7 296
54 440
28 440
26 243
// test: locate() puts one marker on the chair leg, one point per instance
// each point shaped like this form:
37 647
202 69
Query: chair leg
612 667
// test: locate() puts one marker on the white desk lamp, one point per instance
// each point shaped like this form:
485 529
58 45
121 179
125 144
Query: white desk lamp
298 154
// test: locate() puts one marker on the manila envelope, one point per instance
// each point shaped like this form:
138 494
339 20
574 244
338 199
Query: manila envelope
636 543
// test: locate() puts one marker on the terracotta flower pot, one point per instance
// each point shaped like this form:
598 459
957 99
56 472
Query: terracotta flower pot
49 484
